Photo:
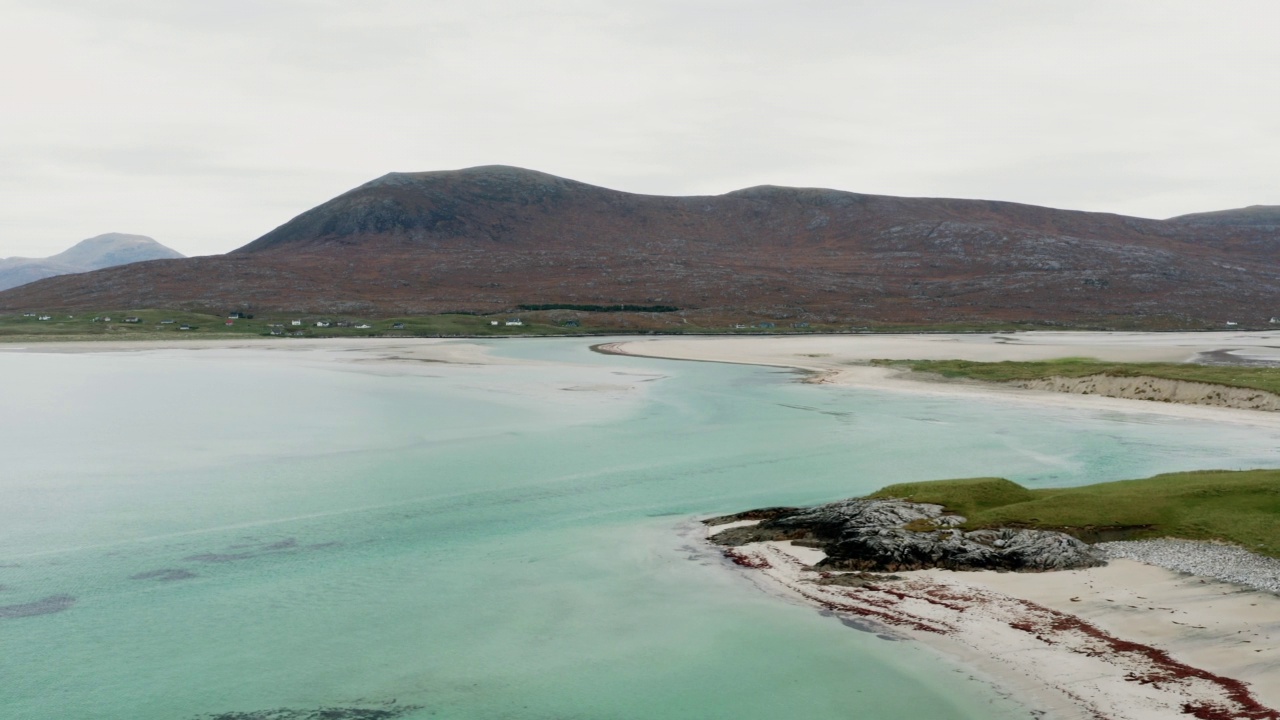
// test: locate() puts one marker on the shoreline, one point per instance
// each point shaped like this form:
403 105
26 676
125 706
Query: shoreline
1067 643
844 361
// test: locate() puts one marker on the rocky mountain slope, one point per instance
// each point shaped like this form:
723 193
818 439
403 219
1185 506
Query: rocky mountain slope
95 253
491 239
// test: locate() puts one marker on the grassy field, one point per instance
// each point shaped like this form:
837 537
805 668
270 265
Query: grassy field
163 324
1241 507
152 325
1257 378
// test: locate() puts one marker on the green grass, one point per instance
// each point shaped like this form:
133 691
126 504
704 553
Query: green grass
81 326
1241 507
1256 378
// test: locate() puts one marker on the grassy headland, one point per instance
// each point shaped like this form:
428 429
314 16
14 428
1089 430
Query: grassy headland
1241 507
1253 378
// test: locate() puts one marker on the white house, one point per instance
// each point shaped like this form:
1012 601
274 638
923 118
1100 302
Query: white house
363 326
322 323
493 322
45 317
296 323
515 322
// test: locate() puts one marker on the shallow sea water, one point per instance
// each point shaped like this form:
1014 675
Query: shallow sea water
239 531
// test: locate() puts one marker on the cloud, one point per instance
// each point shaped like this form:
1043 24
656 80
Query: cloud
207 124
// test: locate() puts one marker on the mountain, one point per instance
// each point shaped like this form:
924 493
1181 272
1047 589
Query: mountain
1266 215
103 251
490 239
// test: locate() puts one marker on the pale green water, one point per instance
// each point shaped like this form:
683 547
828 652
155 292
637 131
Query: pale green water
479 541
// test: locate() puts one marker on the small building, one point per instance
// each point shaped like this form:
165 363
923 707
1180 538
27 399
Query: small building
45 317
322 323
133 320
363 326
276 331
799 325
493 322
28 314
1232 324
230 323
1275 321
515 322
739 326
240 316
166 322
571 323
397 326
185 327
296 323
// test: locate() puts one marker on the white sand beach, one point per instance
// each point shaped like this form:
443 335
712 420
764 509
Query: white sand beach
1122 642
843 360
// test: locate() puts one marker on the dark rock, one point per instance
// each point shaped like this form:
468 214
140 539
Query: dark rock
864 534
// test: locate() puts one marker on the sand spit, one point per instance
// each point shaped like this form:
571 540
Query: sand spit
843 360
1159 389
1122 642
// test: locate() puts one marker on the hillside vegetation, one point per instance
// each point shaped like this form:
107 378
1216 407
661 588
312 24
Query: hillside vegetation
1241 507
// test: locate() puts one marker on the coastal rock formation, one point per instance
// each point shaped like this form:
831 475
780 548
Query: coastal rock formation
1161 389
895 535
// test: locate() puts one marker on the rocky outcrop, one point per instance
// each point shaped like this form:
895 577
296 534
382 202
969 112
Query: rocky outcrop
866 534
1161 389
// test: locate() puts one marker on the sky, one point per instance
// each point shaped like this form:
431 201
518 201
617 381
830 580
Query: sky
207 123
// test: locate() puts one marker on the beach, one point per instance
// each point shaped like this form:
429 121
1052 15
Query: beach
1127 640
845 360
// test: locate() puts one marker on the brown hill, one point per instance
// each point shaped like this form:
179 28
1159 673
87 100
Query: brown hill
492 238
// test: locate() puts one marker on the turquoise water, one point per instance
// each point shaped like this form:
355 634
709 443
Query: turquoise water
248 530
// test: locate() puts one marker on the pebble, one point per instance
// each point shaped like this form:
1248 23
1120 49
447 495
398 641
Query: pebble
1228 563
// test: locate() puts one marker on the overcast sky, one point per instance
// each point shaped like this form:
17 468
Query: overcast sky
205 124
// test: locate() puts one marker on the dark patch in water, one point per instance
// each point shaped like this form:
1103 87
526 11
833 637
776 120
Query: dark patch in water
43 606
859 625
328 713
279 546
4 588
218 557
165 575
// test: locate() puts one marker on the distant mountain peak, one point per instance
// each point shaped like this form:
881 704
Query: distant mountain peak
95 253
